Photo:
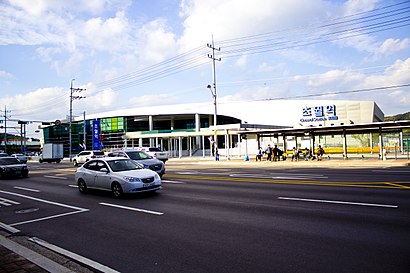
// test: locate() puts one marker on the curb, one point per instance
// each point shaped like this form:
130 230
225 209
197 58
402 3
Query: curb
32 257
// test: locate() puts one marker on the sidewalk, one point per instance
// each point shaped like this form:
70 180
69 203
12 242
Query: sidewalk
336 162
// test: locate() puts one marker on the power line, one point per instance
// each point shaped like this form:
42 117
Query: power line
341 92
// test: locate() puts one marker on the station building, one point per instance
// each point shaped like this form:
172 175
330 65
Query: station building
242 127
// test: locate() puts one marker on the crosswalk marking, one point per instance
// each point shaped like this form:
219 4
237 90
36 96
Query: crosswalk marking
7 202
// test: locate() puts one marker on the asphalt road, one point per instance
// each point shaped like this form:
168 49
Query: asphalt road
224 219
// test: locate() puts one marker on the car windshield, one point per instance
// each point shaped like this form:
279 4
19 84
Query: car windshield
98 153
154 149
121 165
138 155
9 161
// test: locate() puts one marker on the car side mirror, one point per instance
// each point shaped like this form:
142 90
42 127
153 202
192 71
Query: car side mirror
104 170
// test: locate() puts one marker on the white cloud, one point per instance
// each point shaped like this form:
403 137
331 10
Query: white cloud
390 46
157 43
241 62
357 6
238 18
44 103
6 75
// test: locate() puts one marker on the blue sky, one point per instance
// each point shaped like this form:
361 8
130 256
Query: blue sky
154 52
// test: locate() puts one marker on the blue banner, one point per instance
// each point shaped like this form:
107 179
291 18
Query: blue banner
96 134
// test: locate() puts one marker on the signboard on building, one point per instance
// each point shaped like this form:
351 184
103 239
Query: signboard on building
319 113
96 134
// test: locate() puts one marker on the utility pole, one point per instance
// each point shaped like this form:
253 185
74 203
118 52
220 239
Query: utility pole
5 128
72 90
213 90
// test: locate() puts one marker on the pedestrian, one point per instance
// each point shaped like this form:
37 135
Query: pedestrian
276 153
216 154
259 155
307 155
269 153
320 152
295 154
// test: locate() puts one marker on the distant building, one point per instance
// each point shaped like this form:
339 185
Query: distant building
187 129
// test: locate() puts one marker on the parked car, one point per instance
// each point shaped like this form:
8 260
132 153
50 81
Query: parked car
142 158
22 158
85 156
155 153
4 154
117 174
12 167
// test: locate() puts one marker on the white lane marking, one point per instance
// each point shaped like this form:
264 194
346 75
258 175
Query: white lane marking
56 177
338 202
283 176
391 171
77 209
26 189
7 202
172 182
9 228
81 259
133 209
187 172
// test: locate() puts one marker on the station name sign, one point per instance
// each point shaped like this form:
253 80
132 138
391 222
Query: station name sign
319 113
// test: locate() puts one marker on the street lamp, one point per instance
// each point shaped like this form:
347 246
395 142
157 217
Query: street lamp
213 92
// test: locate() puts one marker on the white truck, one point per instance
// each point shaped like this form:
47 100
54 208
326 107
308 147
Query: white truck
155 153
52 152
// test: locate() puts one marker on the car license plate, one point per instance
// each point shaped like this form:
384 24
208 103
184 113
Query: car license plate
18 172
149 184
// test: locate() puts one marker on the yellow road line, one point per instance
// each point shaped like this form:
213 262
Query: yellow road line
381 185
397 185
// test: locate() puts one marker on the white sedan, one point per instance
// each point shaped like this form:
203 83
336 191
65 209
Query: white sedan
119 175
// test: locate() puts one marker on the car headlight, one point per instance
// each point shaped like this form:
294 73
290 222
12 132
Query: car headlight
157 177
131 179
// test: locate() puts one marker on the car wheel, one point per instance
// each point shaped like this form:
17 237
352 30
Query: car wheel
116 190
58 161
82 186
75 162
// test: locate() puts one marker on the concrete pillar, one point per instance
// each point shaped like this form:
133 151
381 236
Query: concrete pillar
344 144
172 123
380 143
197 129
179 147
151 127
203 146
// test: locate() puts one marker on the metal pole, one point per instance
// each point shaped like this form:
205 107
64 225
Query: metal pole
84 134
25 138
5 129
70 120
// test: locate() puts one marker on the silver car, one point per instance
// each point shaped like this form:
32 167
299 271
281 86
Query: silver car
141 158
119 175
